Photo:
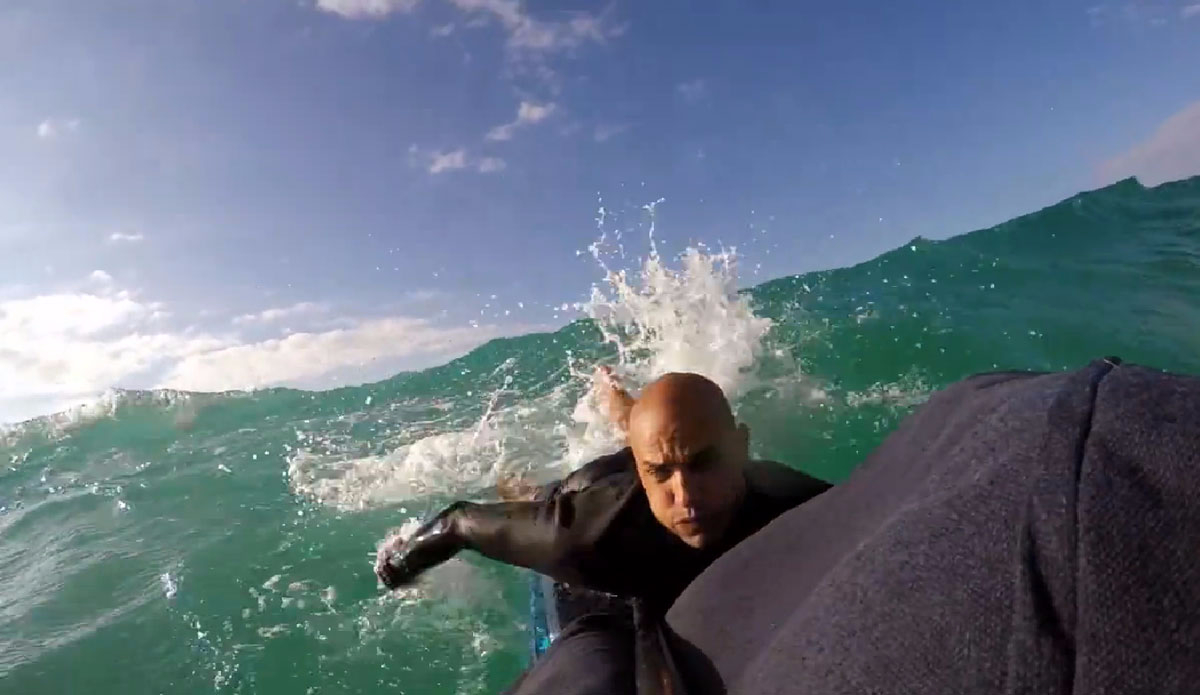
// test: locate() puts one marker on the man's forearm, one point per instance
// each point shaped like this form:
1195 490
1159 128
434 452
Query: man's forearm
557 536
525 534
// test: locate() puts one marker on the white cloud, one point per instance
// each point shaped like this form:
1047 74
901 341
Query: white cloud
441 162
277 314
73 315
54 127
117 237
605 132
491 165
1190 11
61 347
502 132
1172 152
100 276
692 90
366 9
528 34
442 31
66 344
304 356
524 32
528 113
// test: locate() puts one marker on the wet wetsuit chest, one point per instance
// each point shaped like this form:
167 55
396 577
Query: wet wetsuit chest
635 556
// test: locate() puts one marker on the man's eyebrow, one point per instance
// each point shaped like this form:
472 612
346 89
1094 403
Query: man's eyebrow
707 452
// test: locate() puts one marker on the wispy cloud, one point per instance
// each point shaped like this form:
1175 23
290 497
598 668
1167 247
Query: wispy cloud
442 31
1133 13
605 132
100 276
528 113
441 162
525 33
491 165
118 237
280 313
1172 152
52 128
457 160
366 9
1189 11
692 90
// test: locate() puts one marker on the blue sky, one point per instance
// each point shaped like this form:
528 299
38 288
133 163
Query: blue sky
214 194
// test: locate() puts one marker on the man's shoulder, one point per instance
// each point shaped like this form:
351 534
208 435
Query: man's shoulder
779 481
616 467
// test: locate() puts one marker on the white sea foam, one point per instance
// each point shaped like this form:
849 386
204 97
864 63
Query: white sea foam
686 320
169 586
681 316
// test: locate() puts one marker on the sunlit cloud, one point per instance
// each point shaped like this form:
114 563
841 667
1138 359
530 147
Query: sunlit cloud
528 113
1171 152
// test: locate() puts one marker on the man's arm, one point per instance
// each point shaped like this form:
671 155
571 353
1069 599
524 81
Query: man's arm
551 536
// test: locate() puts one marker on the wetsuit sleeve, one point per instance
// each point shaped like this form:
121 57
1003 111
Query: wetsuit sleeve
555 536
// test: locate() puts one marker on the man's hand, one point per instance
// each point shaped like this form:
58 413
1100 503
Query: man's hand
613 397
401 560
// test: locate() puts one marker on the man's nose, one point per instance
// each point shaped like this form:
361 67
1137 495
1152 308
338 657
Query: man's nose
680 489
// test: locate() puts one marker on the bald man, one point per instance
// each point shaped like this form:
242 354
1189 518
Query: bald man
640 523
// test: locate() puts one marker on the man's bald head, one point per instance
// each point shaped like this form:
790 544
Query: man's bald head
676 404
690 455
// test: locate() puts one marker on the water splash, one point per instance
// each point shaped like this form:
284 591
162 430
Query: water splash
690 320
663 318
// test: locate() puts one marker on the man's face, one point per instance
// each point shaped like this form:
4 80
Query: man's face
693 475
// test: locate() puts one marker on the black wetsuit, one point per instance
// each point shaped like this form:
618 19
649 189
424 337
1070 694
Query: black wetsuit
595 529
594 532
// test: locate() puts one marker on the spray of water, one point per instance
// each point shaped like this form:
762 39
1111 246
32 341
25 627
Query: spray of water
689 319
660 316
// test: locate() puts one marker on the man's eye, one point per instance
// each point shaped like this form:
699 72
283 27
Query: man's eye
661 473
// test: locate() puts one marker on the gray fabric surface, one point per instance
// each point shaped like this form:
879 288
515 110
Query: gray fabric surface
1019 533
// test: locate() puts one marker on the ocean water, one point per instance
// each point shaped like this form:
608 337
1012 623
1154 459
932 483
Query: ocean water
165 542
